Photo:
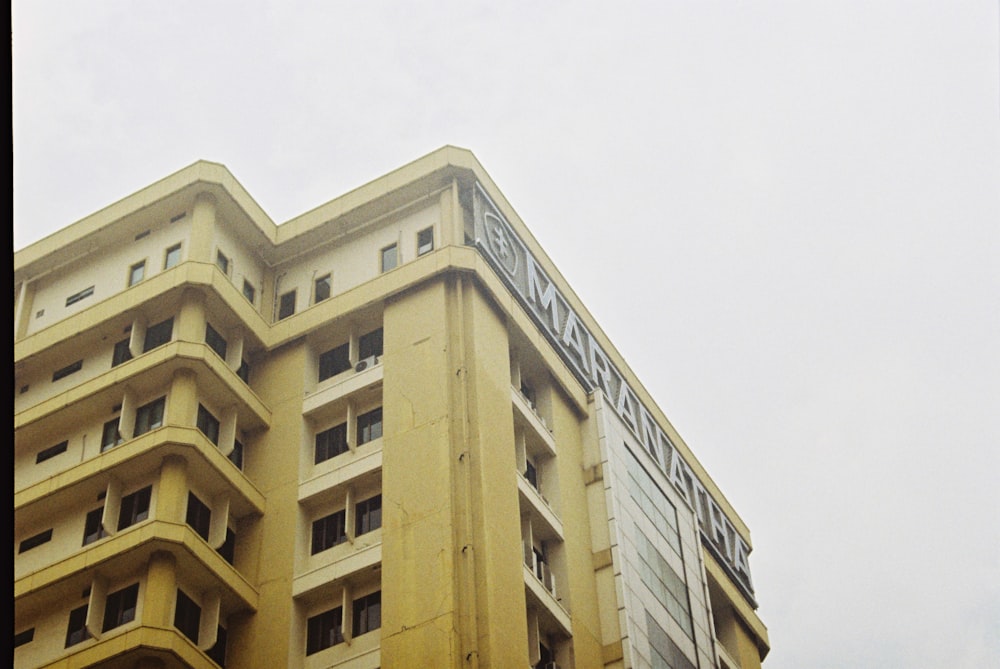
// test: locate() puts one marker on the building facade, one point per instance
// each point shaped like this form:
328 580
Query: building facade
383 434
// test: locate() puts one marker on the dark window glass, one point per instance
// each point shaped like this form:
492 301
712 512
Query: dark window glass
119 608
222 261
24 637
76 297
158 335
330 443
217 653
286 305
325 630
334 361
228 548
149 416
425 241
76 631
369 426
136 273
249 291
187 616
532 475
389 258
67 370
368 515
51 452
367 613
199 516
110 437
328 532
244 371
35 541
172 256
92 528
236 456
370 344
215 341
135 508
208 424
122 353
322 288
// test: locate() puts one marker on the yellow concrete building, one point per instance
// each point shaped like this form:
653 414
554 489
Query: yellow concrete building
385 433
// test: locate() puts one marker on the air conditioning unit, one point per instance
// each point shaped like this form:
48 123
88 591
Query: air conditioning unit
367 363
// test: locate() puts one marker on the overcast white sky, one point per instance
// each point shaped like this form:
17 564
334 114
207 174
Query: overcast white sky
786 215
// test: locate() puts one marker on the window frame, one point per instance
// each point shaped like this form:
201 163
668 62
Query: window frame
187 616
249 292
79 296
282 315
325 630
328 531
122 352
371 344
335 361
216 341
92 534
327 282
172 256
138 505
149 416
365 431
63 372
222 261
35 541
368 515
198 516
51 451
210 421
394 259
330 449
76 628
364 608
120 607
141 268
427 247
106 443
158 335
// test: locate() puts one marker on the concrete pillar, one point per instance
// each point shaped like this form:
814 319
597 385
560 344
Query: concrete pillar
202 229
190 323
182 403
22 312
172 492
161 590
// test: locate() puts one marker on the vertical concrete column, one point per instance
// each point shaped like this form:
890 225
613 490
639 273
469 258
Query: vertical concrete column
22 313
112 505
202 228
208 627
182 403
172 491
126 419
234 352
190 323
160 591
219 523
227 430
137 336
95 604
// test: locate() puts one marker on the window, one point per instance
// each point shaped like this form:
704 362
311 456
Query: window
368 515
111 437
425 241
35 541
325 630
389 258
328 532
322 288
244 371
531 473
334 361
208 424
370 344
236 456
93 530
158 335
249 291
172 257
369 426
228 548
368 613
136 273
76 631
24 637
331 443
187 616
199 516
67 370
286 305
135 508
122 353
149 416
222 261
119 607
82 295
215 341
217 653
51 452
